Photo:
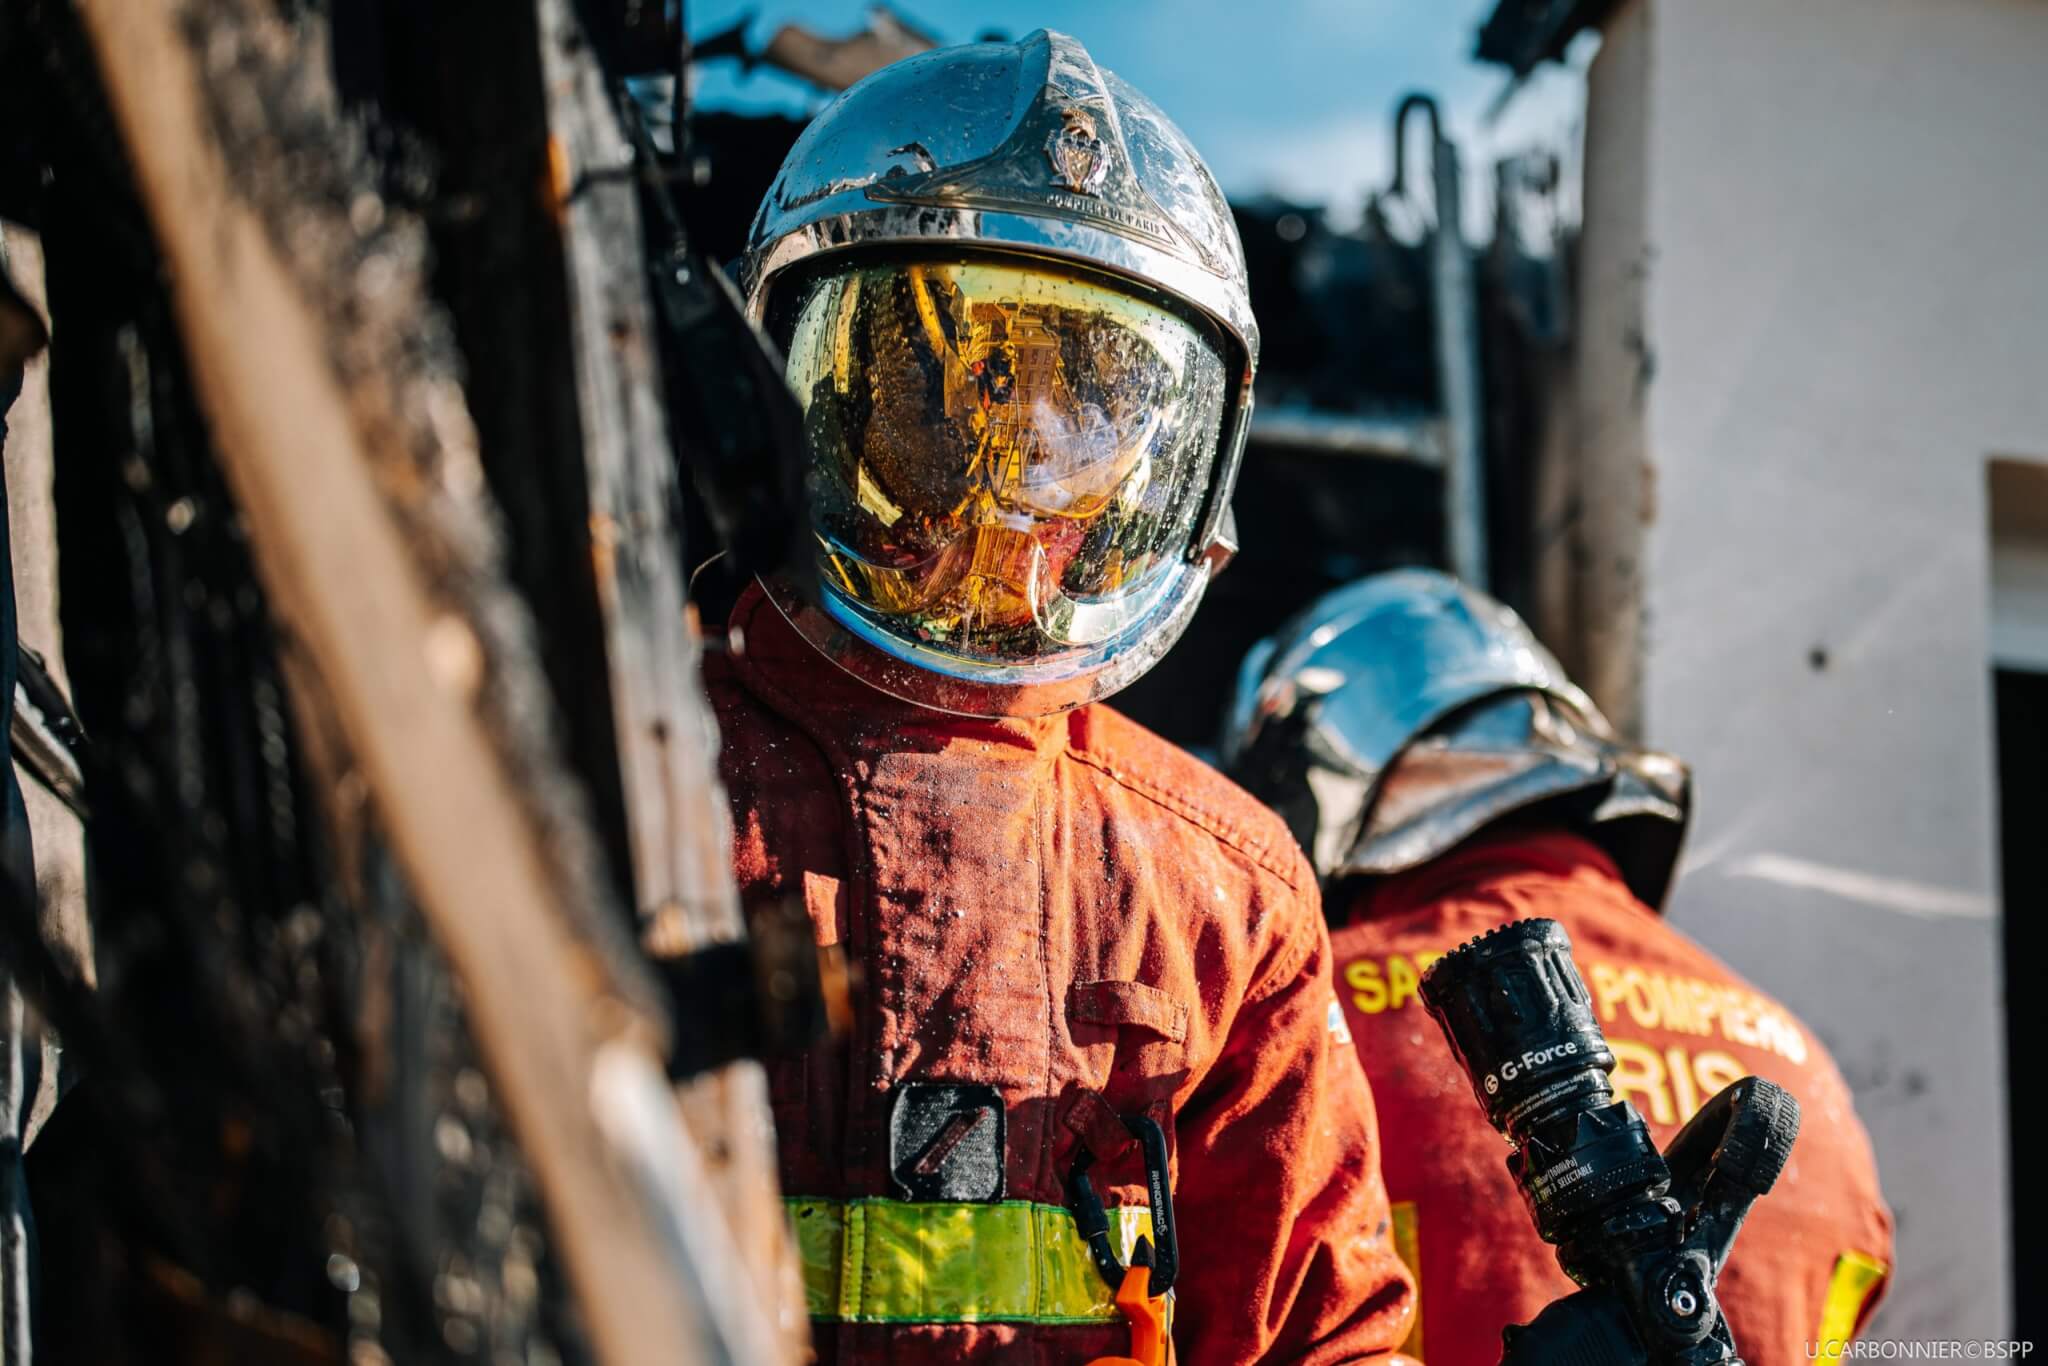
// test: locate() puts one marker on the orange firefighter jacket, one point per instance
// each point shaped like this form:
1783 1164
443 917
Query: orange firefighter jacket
1812 1257
1079 915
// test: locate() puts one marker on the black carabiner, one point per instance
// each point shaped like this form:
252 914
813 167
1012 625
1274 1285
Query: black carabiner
1162 1250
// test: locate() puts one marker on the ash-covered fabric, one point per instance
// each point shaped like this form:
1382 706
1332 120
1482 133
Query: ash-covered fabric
976 872
1682 1026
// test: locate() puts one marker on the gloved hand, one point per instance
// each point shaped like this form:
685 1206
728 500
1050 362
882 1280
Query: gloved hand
1586 1329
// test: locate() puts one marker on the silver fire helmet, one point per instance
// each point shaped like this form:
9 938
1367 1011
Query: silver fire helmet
1015 309
1400 715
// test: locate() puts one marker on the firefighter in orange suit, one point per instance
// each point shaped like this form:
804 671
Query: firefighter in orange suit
1448 777
1091 971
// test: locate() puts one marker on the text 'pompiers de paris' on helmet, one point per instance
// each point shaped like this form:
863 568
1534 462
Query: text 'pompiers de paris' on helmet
1015 312
1398 716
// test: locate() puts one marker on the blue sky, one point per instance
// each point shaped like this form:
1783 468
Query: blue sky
1289 96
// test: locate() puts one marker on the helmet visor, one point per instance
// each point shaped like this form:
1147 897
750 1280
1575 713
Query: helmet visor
1008 459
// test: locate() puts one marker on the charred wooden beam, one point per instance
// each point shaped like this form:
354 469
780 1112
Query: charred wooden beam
677 817
331 394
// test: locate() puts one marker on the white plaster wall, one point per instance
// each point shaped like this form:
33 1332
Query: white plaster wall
1593 478
1847 308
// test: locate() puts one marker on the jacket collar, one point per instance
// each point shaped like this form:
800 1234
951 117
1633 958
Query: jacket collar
774 661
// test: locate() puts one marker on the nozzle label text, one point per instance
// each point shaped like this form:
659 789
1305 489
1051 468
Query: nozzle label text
1529 1062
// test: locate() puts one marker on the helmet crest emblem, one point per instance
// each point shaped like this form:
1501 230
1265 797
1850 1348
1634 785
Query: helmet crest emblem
1079 156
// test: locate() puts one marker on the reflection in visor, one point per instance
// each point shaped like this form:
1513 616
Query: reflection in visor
1008 460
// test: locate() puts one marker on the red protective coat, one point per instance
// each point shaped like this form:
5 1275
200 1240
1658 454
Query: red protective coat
1682 1026
1081 915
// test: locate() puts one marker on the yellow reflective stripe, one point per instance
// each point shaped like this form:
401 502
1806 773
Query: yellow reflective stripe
899 1261
818 1225
1855 1274
1408 1246
850 1253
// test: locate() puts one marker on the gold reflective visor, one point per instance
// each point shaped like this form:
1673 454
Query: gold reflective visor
1008 459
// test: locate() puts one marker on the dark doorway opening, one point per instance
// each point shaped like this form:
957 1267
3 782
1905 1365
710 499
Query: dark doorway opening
2022 703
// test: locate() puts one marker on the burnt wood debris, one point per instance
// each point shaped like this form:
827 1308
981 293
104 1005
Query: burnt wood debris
408 1012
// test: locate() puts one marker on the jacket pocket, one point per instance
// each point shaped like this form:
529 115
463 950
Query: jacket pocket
1127 1005
1139 1072
1145 1029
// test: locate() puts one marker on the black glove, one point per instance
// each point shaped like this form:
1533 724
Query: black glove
1586 1329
